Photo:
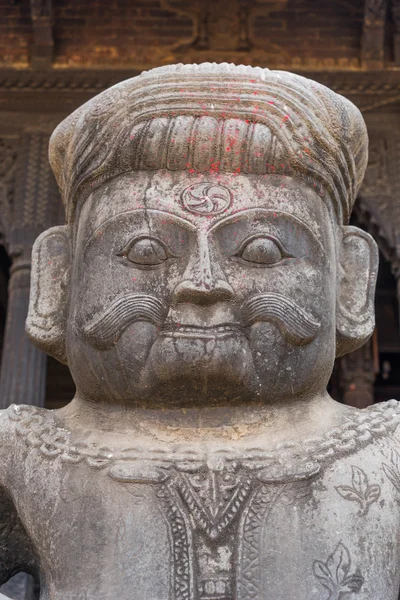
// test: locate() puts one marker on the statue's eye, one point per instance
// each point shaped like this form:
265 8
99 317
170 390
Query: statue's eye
145 251
262 251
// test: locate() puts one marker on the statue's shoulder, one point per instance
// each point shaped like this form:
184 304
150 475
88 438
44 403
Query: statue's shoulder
7 439
14 421
16 551
394 408
380 421
363 431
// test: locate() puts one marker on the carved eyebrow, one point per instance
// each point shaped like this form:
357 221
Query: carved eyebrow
241 214
180 221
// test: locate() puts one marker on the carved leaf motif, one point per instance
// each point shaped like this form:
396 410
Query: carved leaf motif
322 572
373 494
392 475
359 480
353 583
392 471
348 493
334 574
338 563
360 491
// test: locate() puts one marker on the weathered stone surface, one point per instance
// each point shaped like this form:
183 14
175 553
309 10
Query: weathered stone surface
203 284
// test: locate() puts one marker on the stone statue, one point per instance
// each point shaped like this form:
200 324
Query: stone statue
203 285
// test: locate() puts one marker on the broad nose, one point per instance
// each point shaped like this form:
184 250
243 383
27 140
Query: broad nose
202 293
203 281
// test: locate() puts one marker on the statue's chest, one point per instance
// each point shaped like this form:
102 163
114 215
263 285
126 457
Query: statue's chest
320 521
227 531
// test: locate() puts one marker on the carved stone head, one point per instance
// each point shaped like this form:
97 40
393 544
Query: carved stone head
206 256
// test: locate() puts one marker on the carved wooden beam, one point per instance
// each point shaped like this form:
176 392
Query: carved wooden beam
373 37
221 25
43 42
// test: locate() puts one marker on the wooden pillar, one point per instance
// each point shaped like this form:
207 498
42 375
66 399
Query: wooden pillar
357 374
373 36
23 368
396 30
35 207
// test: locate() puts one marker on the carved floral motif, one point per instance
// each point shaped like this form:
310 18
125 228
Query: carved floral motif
360 490
392 470
336 576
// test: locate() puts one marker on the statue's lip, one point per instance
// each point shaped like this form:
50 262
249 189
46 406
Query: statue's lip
203 331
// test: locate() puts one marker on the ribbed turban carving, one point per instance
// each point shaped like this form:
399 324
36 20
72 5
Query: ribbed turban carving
214 117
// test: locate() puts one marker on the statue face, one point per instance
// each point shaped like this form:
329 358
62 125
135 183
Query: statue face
202 288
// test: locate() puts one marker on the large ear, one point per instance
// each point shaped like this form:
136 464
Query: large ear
357 272
46 321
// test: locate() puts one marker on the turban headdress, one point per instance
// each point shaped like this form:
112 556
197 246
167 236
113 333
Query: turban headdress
214 117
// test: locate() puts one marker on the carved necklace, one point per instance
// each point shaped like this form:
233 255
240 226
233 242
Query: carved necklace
288 461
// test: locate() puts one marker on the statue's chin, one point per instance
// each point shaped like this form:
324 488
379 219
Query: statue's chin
187 370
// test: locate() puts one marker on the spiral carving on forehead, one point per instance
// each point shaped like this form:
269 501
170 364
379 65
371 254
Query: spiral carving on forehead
206 198
105 329
297 324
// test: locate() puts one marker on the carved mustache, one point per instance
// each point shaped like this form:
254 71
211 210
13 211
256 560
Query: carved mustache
104 330
294 322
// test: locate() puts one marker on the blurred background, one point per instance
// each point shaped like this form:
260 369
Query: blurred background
56 54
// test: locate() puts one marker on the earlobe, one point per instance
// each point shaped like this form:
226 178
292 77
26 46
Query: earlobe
46 320
357 272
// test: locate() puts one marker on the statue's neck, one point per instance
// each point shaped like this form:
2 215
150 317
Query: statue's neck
236 424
